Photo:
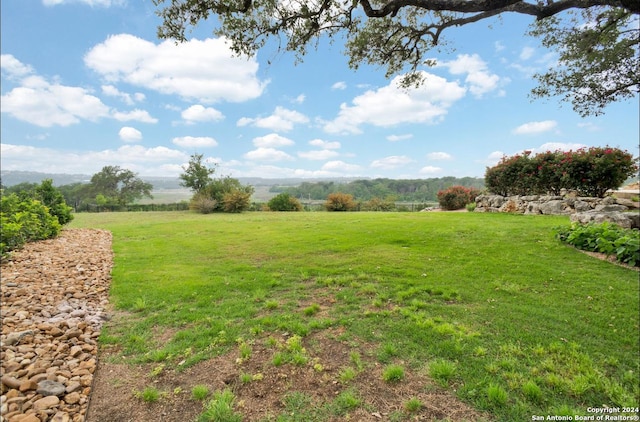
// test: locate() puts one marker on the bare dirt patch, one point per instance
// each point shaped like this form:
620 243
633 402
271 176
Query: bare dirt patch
264 396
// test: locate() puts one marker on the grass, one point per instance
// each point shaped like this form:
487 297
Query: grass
513 308
393 373
149 394
200 392
220 408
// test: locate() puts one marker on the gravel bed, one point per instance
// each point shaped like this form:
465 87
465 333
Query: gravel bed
54 294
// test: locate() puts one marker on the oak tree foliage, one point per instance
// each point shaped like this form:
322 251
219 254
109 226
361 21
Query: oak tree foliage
597 40
117 186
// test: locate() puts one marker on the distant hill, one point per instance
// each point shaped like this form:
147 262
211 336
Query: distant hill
12 177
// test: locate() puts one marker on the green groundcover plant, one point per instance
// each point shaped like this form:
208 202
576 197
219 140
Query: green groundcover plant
605 238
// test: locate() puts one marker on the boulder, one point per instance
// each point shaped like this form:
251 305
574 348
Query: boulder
554 207
622 219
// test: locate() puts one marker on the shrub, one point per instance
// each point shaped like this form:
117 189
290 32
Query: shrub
53 199
378 204
284 202
340 202
202 203
456 197
590 172
24 220
236 201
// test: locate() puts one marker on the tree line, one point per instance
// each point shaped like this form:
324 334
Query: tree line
405 190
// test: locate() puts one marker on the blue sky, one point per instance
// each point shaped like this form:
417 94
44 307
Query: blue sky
86 83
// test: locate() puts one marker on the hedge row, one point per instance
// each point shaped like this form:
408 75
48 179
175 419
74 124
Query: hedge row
589 172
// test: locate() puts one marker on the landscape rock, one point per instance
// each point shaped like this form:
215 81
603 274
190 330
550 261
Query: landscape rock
620 211
625 220
51 388
52 302
46 403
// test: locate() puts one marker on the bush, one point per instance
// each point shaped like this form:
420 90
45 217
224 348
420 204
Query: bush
340 202
236 201
225 194
284 202
202 203
456 197
24 220
605 238
377 204
590 172
53 199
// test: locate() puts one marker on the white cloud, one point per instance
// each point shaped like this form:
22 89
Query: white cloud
531 128
396 138
299 99
272 140
323 154
479 79
527 53
199 113
498 46
493 158
203 70
391 162
195 142
46 104
589 126
92 3
339 85
156 161
282 120
137 115
341 167
130 134
439 156
13 68
392 105
128 99
559 146
324 144
430 170
267 154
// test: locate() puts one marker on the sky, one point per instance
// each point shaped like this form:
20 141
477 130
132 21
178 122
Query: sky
87 84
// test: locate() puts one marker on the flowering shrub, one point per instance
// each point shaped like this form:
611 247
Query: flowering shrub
456 197
590 172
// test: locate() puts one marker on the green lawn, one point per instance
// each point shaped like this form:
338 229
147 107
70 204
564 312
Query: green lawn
490 305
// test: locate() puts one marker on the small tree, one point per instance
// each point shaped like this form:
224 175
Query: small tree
284 202
340 202
196 174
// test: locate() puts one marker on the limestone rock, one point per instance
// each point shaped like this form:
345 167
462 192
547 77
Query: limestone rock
46 403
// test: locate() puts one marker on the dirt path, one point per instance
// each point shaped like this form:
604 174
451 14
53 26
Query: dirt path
54 299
